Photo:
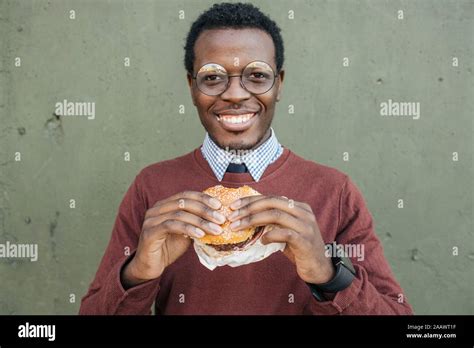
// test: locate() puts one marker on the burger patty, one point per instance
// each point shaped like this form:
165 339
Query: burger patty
229 247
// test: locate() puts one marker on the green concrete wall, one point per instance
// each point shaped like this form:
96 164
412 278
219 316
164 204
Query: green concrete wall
428 242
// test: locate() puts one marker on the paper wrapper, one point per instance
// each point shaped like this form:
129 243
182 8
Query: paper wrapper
254 253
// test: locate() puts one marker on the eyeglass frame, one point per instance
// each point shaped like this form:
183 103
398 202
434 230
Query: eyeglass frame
241 83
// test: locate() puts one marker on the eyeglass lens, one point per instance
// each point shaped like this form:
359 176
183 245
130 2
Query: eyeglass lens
257 77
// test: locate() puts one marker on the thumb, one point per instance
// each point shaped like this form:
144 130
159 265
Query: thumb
273 233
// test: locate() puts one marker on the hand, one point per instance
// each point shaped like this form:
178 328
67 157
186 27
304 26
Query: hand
166 230
295 224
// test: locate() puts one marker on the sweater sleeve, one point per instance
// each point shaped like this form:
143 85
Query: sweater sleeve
106 294
375 289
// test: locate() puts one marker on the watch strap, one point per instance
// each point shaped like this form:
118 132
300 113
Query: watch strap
341 280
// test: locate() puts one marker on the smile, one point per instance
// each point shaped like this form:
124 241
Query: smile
235 119
237 123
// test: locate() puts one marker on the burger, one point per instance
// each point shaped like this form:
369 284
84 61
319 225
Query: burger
229 241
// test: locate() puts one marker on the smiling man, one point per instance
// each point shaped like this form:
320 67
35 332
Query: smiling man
234 62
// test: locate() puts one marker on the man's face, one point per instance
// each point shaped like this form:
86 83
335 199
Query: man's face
233 49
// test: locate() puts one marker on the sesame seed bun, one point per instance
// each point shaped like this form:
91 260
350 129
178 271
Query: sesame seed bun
228 237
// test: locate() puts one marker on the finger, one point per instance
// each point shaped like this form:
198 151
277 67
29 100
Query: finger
271 202
266 217
282 235
190 205
245 200
183 216
174 227
210 201
239 203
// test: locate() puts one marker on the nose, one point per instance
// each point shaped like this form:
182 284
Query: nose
235 91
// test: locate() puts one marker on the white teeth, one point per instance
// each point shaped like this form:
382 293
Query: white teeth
235 119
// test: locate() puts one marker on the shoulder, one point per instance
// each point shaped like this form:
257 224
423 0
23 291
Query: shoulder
166 168
311 170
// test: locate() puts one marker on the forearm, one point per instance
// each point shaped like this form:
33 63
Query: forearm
109 297
362 298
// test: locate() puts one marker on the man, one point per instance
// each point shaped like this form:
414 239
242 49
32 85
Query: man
234 58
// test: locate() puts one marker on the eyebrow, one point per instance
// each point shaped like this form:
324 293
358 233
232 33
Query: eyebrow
239 67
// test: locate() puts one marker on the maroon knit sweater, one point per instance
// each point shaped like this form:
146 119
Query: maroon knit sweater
271 286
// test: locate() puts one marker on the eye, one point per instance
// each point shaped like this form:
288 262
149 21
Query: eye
258 75
211 77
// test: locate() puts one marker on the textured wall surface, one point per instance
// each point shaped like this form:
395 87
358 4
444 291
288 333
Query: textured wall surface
421 55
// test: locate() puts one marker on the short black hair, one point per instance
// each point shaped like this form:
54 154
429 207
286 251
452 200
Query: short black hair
233 16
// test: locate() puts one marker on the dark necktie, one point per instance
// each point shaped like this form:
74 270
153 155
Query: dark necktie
237 168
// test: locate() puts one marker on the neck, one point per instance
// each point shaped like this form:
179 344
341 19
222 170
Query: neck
264 138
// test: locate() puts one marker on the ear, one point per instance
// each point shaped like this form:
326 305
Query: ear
280 78
190 85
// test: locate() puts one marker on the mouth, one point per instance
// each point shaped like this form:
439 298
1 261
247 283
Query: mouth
237 123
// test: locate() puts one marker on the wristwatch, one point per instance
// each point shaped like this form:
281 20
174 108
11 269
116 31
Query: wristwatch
345 274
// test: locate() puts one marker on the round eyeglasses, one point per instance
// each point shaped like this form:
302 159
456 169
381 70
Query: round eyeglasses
257 78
